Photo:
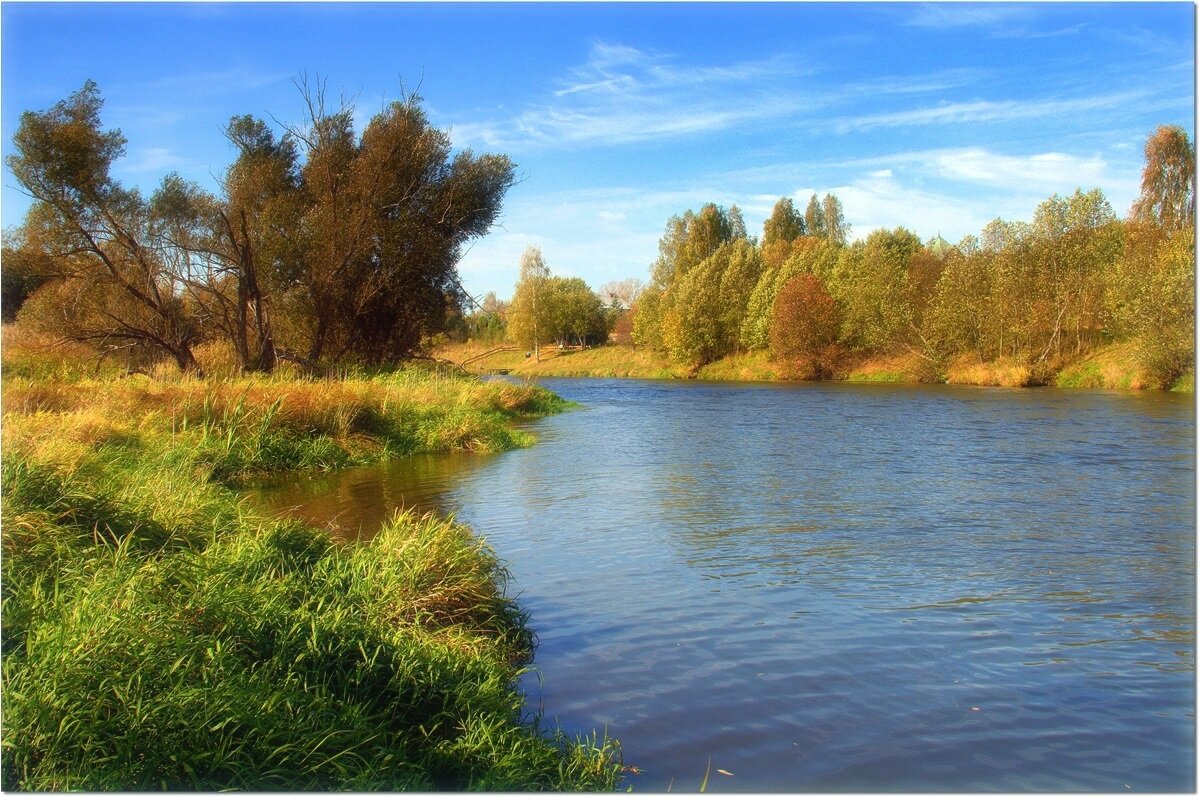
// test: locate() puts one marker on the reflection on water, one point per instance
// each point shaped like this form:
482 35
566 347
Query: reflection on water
356 502
845 587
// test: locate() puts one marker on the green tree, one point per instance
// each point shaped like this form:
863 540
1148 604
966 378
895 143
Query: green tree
785 224
737 224
691 327
646 317
708 304
872 285
741 269
689 240
529 321
1075 241
575 313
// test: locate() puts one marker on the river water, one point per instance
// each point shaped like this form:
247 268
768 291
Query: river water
835 587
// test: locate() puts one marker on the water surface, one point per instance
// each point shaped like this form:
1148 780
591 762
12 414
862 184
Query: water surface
832 587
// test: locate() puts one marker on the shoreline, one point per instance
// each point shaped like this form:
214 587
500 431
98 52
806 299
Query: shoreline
224 649
1107 368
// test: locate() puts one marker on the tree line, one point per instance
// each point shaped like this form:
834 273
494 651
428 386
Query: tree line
1037 293
322 245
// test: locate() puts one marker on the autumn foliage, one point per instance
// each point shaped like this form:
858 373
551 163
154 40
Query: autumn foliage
804 329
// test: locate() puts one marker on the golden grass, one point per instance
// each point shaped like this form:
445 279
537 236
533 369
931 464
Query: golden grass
893 367
1004 372
637 362
753 366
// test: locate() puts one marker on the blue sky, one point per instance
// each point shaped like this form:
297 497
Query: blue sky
937 117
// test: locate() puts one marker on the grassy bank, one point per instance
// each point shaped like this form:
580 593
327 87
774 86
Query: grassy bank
1111 367
159 635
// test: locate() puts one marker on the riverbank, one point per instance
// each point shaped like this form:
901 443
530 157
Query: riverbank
158 634
1111 367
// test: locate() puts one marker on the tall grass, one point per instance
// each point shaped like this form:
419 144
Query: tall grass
159 635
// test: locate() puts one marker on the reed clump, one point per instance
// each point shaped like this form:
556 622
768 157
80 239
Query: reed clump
157 634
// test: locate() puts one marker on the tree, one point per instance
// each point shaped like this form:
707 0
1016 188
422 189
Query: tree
804 329
960 308
574 312
488 323
708 304
814 218
234 252
621 294
23 273
872 285
102 242
785 224
646 317
737 224
836 229
807 255
1168 196
1152 299
529 312
689 240
352 254
1074 242
691 325
385 223
741 271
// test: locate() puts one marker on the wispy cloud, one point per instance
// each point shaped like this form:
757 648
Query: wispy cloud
153 160
1007 21
986 111
943 16
623 94
939 81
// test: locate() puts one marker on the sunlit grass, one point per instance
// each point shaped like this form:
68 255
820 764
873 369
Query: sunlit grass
637 362
1116 366
158 634
1113 366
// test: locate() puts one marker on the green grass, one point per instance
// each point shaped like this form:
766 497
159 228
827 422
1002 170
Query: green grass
160 635
1185 383
880 376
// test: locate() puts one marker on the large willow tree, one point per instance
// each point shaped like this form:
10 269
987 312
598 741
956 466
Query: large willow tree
323 245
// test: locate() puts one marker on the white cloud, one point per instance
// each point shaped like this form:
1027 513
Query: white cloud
1050 169
881 201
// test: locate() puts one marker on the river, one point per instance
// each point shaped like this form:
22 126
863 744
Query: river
839 587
